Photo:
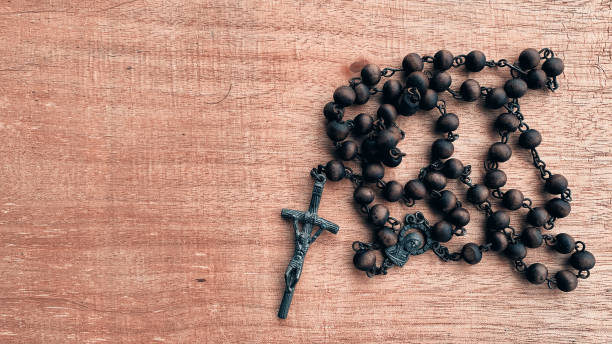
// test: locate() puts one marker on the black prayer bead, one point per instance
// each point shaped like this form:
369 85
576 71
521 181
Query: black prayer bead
363 195
498 240
496 98
362 94
536 273
387 139
558 208
334 170
412 63
387 112
529 59
500 152
582 260
429 100
344 96
347 150
530 138
418 80
415 189
532 237
471 253
442 148
516 251
387 236
364 260
363 124
393 191
564 243
477 193
507 122
453 168
536 79
475 61
440 81
459 217
392 90
556 184
566 280
378 215
442 231
373 171
333 112
553 66
495 179
513 199
407 104
537 216
447 123
338 131
443 60
498 221
515 88
390 159
369 149
435 180
446 202
470 90
370 74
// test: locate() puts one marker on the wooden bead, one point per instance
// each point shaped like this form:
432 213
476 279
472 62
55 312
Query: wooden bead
393 191
477 193
378 215
387 236
471 253
429 100
507 122
347 150
369 149
470 90
447 123
516 251
529 59
363 124
415 189
530 138
553 67
453 168
536 273
558 208
333 112
418 80
582 260
392 90
498 240
440 81
412 63
500 152
363 195
338 131
334 170
564 243
459 217
407 104
446 202
364 260
443 60
536 79
373 171
475 61
362 93
496 98
370 74
515 88
495 179
537 216
344 96
390 159
442 148
435 180
532 237
442 231
556 184
513 199
566 280
498 221
387 112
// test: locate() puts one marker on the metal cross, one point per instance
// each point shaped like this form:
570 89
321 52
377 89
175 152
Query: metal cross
303 238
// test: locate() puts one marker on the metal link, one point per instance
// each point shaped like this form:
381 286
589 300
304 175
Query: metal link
389 71
458 61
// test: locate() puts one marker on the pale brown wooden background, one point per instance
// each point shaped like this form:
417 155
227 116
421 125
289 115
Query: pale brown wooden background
147 144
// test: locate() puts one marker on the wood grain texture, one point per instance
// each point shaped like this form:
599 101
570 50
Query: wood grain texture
147 147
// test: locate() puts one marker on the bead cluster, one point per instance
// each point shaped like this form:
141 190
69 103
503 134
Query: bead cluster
381 134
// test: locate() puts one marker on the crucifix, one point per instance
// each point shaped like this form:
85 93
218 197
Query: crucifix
303 238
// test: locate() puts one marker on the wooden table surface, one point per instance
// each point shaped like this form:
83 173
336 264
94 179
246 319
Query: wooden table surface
148 146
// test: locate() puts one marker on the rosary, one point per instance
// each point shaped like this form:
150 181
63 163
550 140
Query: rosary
379 136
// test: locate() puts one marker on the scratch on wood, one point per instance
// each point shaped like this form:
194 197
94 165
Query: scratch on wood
224 97
117 5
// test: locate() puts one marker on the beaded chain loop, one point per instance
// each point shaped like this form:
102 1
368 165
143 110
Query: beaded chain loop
380 134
